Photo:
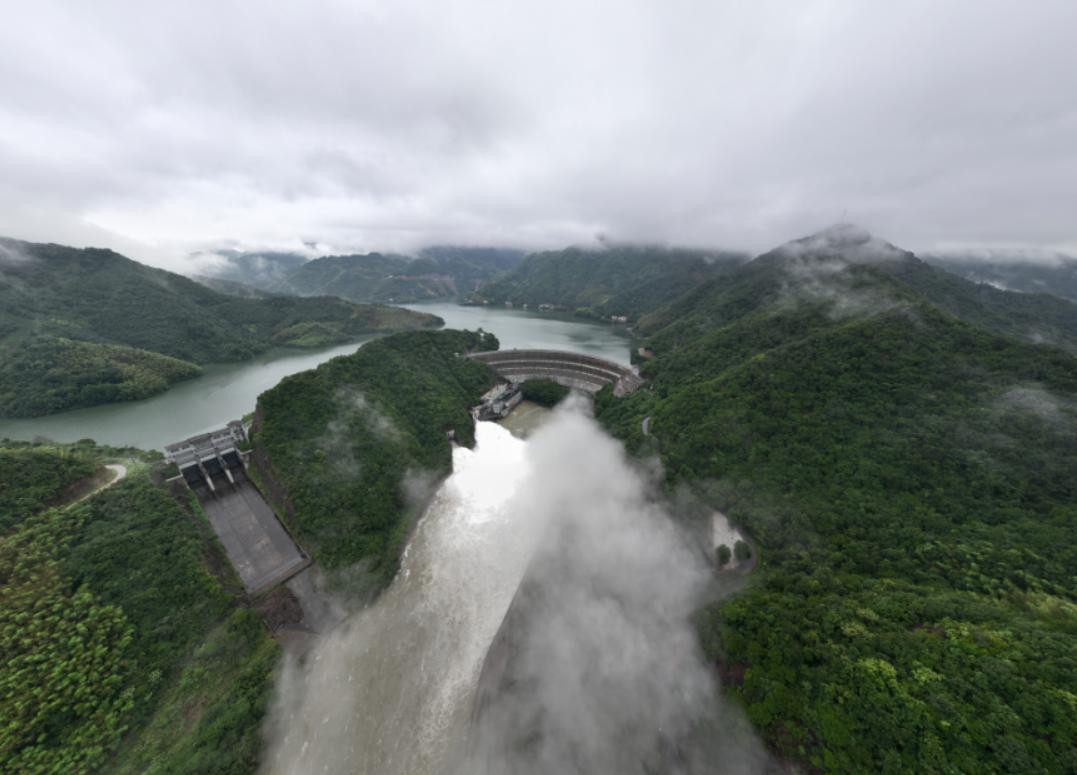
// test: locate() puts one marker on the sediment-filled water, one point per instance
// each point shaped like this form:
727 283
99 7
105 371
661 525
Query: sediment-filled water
389 693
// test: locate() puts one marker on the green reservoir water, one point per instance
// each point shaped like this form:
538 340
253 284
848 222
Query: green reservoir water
228 391
536 330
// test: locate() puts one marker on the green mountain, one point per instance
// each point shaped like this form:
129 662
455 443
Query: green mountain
258 269
437 273
907 461
852 272
612 282
230 287
336 445
1036 272
84 327
128 645
359 277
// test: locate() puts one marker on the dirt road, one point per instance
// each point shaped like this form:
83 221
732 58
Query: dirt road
120 471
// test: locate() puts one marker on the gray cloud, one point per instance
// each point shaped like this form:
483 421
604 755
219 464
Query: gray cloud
378 125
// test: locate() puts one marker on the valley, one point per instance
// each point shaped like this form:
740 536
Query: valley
882 452
543 388
224 392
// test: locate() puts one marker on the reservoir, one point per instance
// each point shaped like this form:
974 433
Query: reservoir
228 391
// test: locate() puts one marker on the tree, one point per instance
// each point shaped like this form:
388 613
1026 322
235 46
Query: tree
723 555
742 551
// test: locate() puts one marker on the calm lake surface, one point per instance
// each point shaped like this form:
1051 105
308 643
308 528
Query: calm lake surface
228 391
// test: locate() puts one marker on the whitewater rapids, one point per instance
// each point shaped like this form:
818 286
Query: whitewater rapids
553 559
390 691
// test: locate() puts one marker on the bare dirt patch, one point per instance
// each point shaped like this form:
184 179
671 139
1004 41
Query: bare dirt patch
280 608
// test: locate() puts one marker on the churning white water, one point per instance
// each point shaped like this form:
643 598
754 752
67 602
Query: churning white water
390 691
600 671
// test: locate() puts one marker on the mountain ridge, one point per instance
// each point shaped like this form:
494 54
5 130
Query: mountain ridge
438 272
908 475
127 318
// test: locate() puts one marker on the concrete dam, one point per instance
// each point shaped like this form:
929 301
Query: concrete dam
582 372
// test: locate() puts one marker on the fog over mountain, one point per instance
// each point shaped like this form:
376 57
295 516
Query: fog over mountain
393 125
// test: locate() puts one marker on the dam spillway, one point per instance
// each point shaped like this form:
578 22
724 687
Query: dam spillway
259 548
581 372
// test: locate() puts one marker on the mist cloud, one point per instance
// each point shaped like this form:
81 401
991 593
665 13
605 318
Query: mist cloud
594 668
12 256
378 125
597 668
1035 400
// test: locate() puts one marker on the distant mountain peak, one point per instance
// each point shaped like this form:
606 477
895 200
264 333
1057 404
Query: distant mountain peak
845 241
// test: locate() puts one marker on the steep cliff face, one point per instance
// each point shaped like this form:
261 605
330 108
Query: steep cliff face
268 479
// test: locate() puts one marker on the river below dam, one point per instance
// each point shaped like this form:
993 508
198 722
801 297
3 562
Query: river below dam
597 667
228 391
389 691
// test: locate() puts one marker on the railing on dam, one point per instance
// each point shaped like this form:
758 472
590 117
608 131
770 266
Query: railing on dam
584 372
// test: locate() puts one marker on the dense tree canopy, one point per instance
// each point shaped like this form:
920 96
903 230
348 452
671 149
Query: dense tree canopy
437 273
113 628
544 392
355 445
615 281
32 477
85 327
912 482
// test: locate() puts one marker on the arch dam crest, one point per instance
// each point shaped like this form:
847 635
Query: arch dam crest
573 370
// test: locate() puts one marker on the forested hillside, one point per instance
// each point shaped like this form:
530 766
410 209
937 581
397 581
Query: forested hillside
436 273
912 482
114 627
1053 273
84 327
615 281
853 273
352 448
37 476
230 287
261 269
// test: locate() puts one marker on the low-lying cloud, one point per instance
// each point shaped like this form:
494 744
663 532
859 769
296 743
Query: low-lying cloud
1037 401
12 256
597 668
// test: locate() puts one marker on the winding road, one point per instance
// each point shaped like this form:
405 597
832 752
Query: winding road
117 468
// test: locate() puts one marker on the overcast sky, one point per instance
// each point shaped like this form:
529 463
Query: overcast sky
395 124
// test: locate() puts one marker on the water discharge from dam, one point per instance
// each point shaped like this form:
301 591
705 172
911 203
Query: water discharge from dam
390 691
594 669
